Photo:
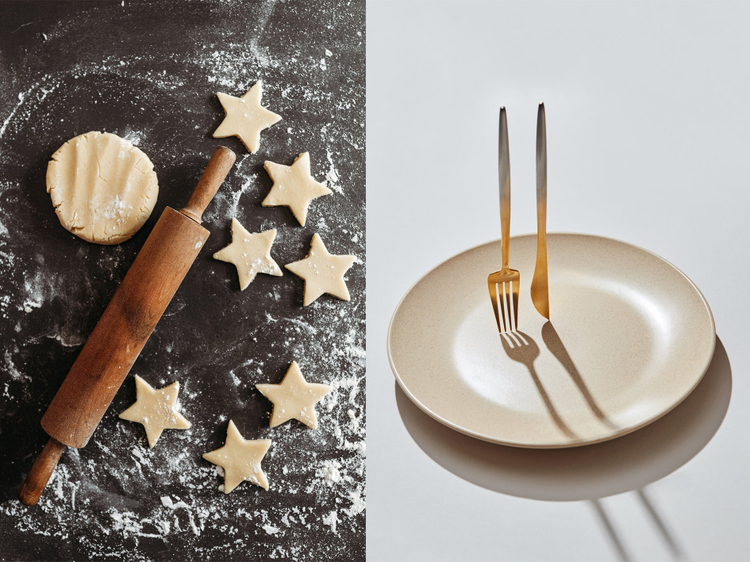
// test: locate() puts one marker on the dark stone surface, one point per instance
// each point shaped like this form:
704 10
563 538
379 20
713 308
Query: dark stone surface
148 71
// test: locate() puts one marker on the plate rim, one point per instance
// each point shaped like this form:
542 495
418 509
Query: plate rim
581 443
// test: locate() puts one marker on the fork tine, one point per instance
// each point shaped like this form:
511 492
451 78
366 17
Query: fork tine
493 298
500 296
503 312
507 289
509 300
515 305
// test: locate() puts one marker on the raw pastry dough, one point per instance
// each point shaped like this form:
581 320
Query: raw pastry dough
293 186
322 272
103 188
155 409
246 118
294 398
240 458
250 253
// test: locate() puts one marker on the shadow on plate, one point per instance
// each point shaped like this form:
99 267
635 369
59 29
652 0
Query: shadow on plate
590 472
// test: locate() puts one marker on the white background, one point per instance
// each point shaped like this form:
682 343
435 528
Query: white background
648 121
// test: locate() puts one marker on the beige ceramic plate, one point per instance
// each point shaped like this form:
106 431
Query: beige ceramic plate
630 338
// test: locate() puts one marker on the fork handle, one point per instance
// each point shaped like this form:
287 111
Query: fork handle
504 177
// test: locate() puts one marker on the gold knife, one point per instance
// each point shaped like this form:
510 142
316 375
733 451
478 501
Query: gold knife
540 283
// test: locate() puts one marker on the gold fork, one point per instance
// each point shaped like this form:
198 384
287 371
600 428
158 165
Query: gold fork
503 284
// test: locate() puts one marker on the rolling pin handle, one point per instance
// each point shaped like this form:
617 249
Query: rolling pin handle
218 168
37 478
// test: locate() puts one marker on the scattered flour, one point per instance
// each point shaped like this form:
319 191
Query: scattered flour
331 520
329 472
271 530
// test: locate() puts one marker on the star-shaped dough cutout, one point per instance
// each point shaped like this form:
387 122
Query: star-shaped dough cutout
155 409
294 398
293 186
240 458
246 118
250 253
322 272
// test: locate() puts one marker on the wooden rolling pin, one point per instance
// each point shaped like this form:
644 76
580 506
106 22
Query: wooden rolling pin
125 326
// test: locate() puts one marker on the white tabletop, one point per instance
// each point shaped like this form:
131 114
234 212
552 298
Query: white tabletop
648 124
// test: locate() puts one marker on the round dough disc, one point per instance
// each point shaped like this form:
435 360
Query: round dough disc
103 188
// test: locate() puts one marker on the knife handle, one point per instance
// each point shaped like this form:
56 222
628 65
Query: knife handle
37 478
541 171
540 281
